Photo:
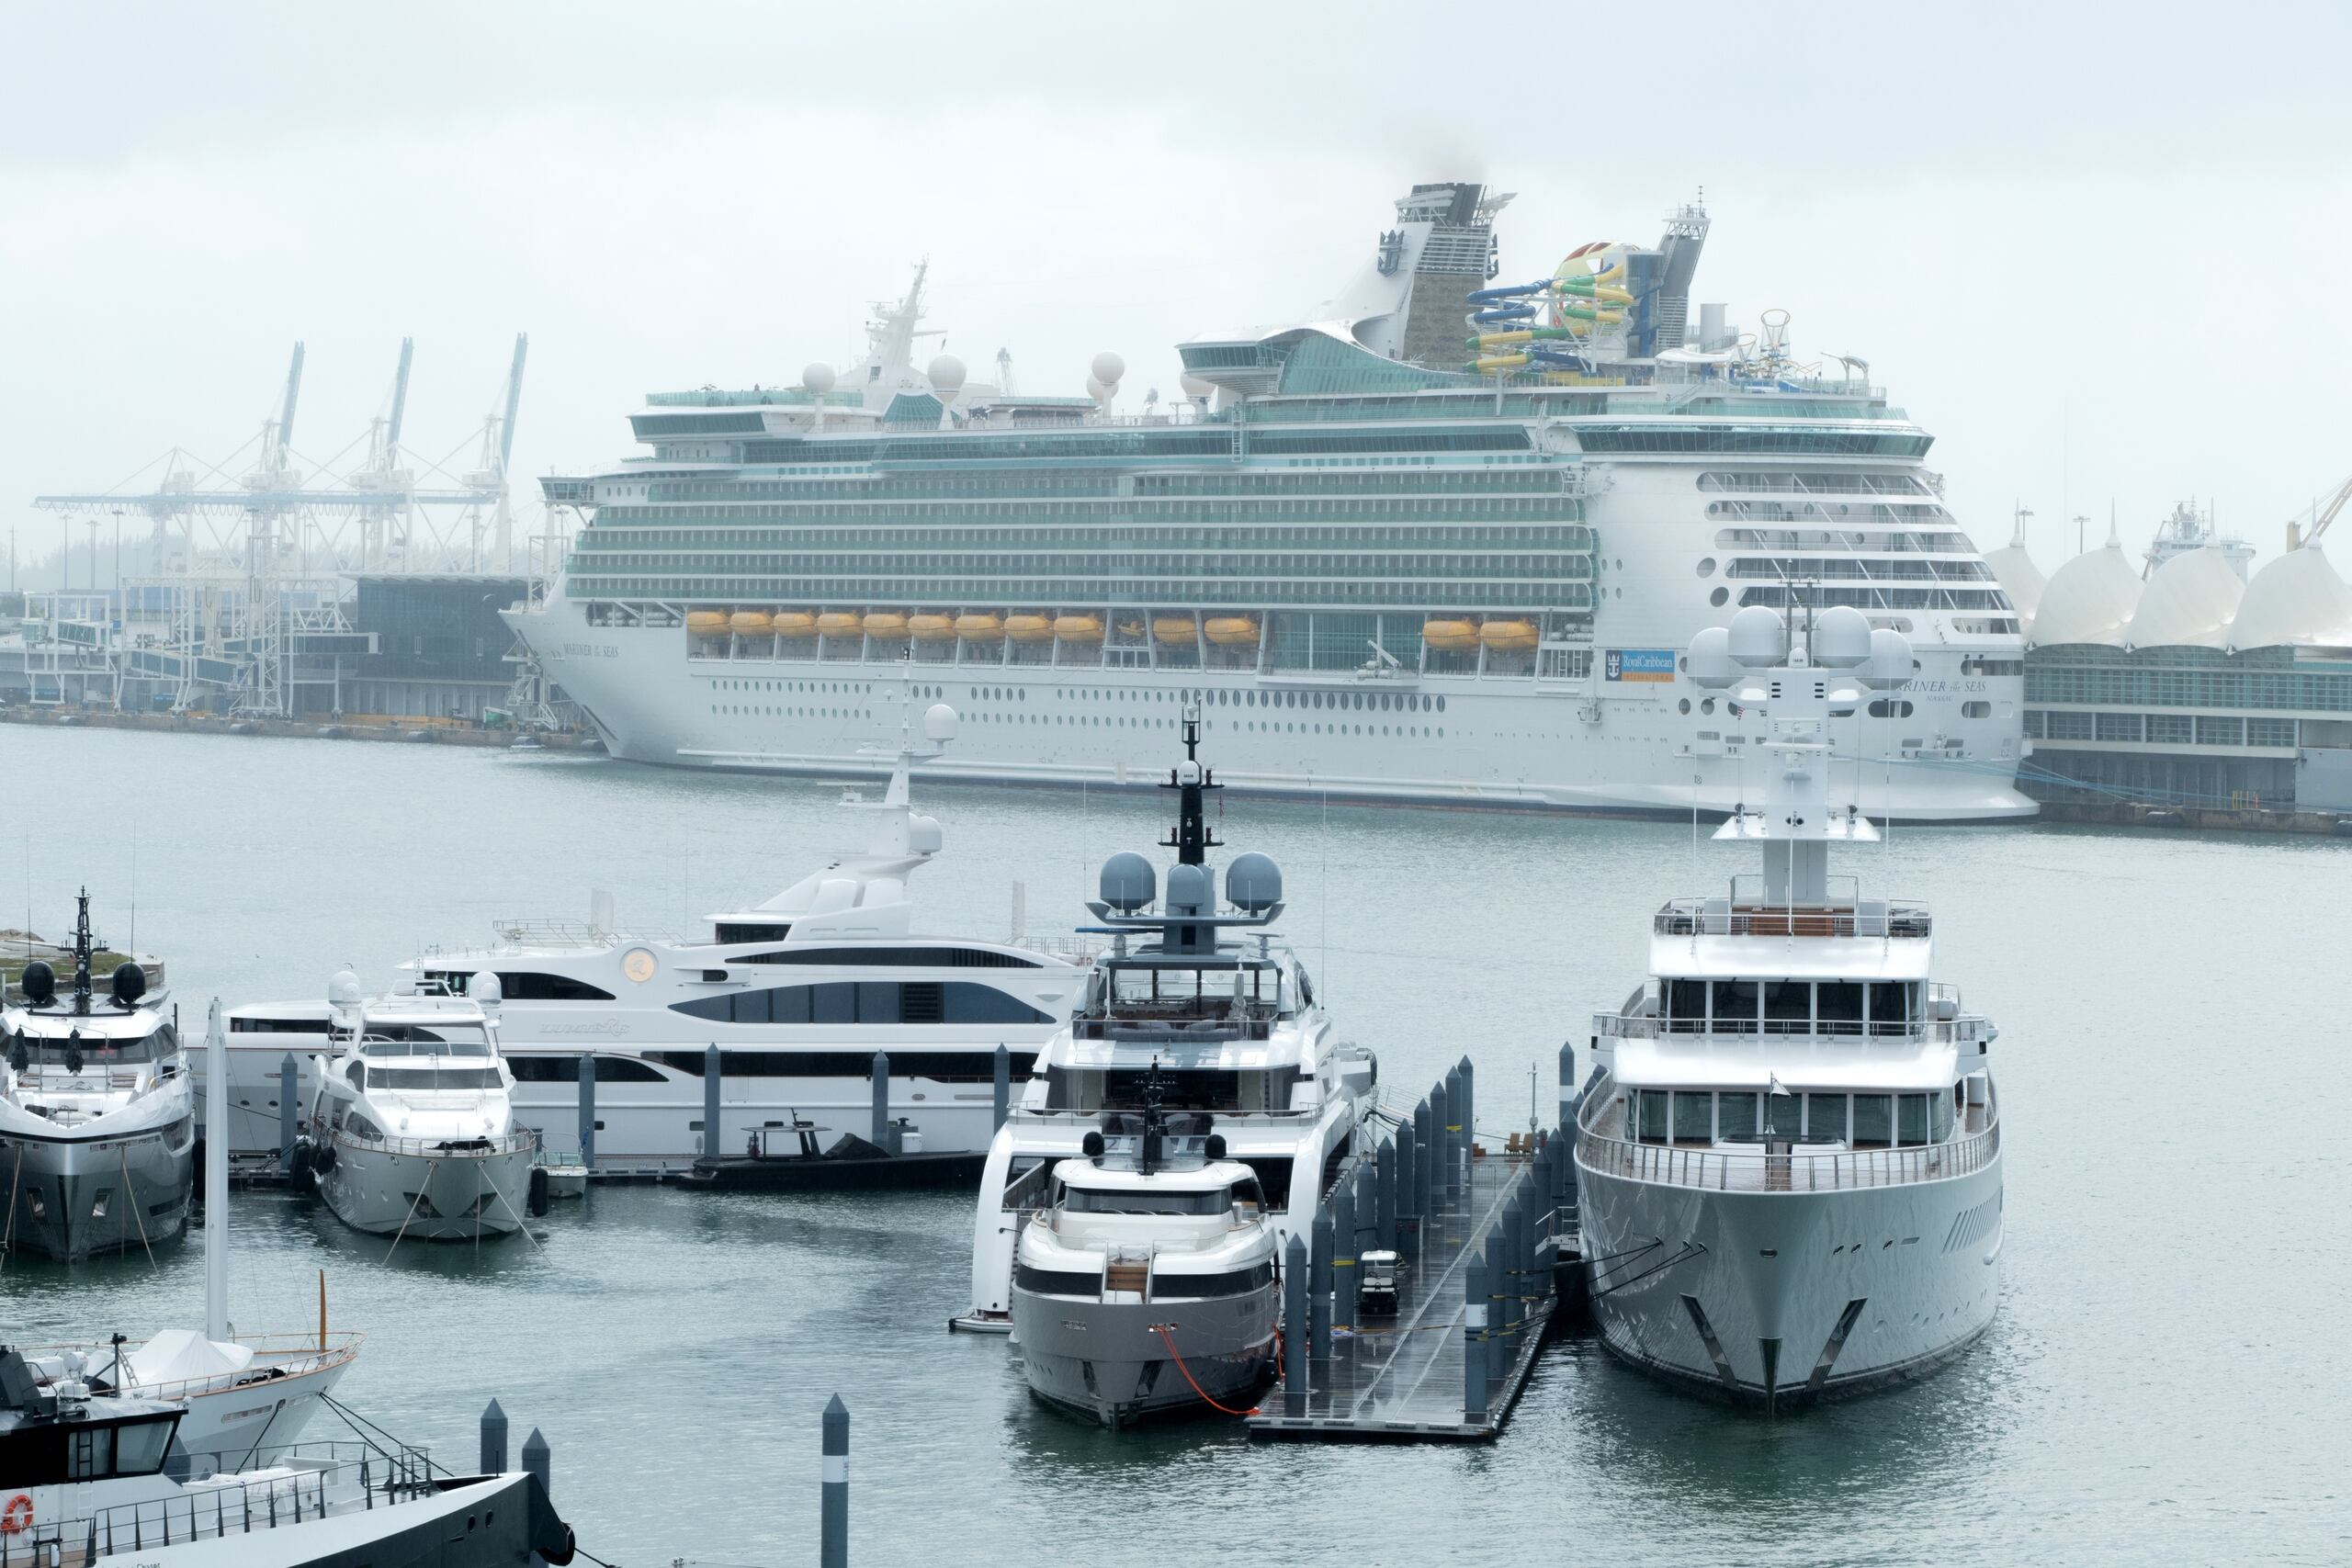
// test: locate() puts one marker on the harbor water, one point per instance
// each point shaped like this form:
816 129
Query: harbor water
2163 1380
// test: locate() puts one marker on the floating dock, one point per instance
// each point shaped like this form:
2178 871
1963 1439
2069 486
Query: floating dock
1477 1260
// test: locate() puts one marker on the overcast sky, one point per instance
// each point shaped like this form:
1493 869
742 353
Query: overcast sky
2100 252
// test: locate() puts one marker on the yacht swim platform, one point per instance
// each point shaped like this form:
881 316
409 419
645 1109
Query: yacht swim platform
1402 1380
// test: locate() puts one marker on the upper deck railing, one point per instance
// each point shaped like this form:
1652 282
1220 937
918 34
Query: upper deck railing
1738 915
515 1142
1769 1170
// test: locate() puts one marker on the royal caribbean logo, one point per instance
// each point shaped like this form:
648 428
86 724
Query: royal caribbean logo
1638 664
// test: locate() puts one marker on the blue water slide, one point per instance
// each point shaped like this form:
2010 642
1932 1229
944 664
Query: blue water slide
1501 313
1507 291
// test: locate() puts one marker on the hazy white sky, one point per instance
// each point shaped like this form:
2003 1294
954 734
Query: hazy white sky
2098 250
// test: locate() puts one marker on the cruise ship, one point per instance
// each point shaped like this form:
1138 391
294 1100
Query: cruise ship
1438 539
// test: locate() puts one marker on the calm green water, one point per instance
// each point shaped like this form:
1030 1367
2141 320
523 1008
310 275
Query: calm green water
2167 1378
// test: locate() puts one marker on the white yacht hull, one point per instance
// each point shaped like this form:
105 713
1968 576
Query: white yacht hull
231 1427
115 1190
1104 1360
1773 1275
457 1195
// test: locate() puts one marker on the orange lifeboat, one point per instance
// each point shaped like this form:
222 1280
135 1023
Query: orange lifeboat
931 628
1450 637
794 623
1509 636
886 622
981 626
1231 631
706 622
840 623
751 623
1174 629
1028 628
1079 628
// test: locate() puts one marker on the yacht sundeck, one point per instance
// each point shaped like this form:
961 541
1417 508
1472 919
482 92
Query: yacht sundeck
98 1129
1211 1011
1147 1281
1790 1154
798 994
242 1394
411 1128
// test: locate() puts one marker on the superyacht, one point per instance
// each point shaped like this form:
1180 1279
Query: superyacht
1790 1154
1436 539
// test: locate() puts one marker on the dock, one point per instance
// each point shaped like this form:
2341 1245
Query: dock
1475 1261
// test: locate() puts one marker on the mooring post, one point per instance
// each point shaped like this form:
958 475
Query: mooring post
1295 1329
1001 1095
1441 1173
493 1440
1423 1142
1494 1269
1457 1134
1474 1342
538 1461
1318 1301
1384 1194
832 1526
287 1072
714 1142
1409 1191
588 1111
1515 1282
1469 1118
881 1130
1343 1256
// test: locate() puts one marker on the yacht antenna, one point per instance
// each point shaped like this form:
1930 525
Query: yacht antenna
82 955
1148 1156
1191 837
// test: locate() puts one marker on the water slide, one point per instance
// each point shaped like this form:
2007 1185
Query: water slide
1580 296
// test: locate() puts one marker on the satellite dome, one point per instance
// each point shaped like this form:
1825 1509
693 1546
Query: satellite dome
1758 637
939 722
129 983
1108 367
1196 387
924 835
2089 600
39 982
485 988
1097 390
342 991
946 374
2296 600
1191 890
1128 881
1889 664
1841 637
817 377
1710 661
2187 602
1253 882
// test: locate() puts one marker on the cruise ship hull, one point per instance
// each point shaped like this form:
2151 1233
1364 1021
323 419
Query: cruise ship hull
1513 742
75 1198
1750 1296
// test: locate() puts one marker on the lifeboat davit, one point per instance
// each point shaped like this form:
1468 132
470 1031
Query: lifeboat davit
1450 637
1509 636
1174 628
980 625
1028 628
794 623
1079 628
886 622
706 622
1232 631
931 628
751 623
840 623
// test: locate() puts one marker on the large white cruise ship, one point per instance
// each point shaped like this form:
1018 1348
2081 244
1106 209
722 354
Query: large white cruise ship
1436 540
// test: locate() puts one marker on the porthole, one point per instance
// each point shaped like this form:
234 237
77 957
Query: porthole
1719 597
1706 705
1686 704
1707 566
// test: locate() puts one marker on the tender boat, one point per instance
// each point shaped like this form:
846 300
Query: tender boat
798 994
86 1481
1147 1283
1202 1005
97 1127
412 1127
243 1394
1790 1153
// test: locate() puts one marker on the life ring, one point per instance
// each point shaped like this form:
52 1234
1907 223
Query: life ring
17 1517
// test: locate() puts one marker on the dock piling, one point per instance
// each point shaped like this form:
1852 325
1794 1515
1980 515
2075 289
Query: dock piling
493 1440
833 1528
1384 1194
1515 1273
713 1143
1343 1256
1469 1115
286 1076
1457 1136
1474 1346
538 1461
1003 1094
1408 1194
588 1111
1442 1188
1498 1363
1295 1326
1424 1150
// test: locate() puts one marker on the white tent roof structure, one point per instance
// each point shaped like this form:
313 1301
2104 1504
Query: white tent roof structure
2299 600
2189 601
2090 599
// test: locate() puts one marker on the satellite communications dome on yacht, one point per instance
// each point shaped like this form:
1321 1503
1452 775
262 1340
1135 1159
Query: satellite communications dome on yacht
2090 599
2296 600
1841 637
1128 881
2189 601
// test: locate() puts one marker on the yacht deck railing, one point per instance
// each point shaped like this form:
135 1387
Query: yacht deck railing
521 1138
1766 1172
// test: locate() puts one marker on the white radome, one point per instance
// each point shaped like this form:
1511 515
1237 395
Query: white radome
817 377
946 374
1108 367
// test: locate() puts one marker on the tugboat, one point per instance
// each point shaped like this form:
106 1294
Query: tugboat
98 1124
1202 1007
1790 1154
1147 1283
412 1129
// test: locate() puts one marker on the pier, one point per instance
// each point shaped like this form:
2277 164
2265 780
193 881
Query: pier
1474 1237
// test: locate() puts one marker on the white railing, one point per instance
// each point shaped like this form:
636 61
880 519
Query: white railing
1723 917
276 1357
445 1148
1768 1172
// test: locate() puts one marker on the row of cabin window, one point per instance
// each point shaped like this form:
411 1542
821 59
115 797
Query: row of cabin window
1857 1120
944 1066
1791 1007
867 1001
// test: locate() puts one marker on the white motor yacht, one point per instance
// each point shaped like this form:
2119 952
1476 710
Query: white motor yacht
1147 1283
1202 1001
86 1481
98 1129
1790 1153
798 994
412 1131
243 1395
